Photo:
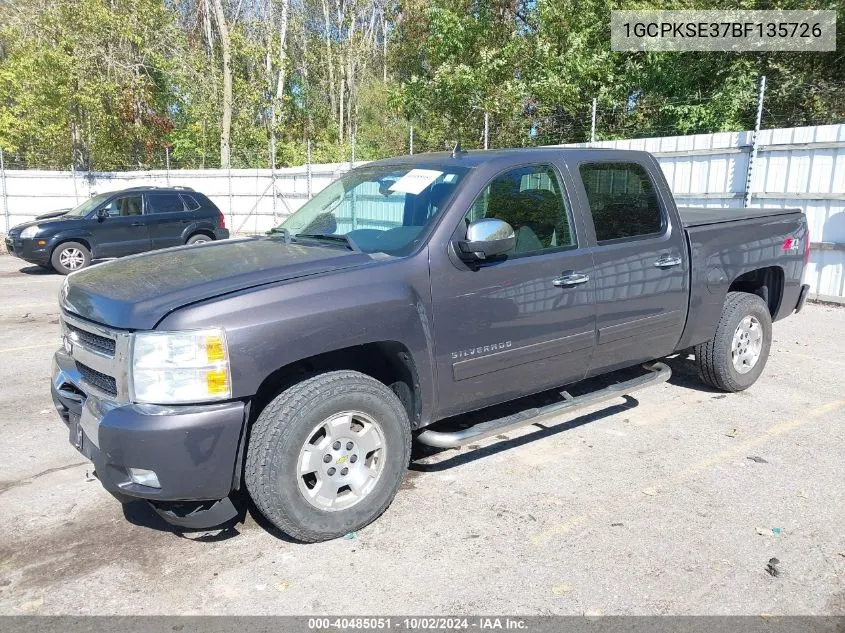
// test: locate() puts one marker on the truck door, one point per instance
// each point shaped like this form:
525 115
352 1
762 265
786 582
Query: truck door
123 232
641 262
524 322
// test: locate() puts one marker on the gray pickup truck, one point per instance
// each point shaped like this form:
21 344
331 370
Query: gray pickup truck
299 366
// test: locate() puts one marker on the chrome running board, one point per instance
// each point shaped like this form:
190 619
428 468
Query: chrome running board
660 374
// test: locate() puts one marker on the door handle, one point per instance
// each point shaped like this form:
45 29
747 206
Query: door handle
570 279
184 220
137 224
667 261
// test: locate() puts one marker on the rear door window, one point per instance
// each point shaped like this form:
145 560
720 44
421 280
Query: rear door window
623 201
165 203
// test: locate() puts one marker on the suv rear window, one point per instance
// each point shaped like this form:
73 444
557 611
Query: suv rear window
165 203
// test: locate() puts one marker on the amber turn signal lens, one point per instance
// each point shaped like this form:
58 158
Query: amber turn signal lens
214 349
217 382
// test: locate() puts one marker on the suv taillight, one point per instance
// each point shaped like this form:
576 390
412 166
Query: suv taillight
222 220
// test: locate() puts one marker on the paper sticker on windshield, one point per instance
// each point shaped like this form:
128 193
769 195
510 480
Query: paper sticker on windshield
415 181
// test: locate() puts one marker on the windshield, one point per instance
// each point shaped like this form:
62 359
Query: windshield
383 209
86 207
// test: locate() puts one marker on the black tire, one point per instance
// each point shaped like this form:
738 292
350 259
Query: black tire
715 361
61 259
282 430
199 238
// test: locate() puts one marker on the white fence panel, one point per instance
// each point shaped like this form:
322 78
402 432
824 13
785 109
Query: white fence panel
244 195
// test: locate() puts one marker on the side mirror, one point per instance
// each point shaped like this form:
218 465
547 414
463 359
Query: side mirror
487 238
102 214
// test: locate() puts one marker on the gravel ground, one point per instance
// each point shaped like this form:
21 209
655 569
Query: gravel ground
648 505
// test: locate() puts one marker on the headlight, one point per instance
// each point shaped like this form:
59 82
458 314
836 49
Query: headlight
180 367
29 231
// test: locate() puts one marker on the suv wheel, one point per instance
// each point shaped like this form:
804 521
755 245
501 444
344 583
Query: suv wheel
326 456
735 357
69 257
199 238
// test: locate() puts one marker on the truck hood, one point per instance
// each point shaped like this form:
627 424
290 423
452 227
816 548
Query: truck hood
136 292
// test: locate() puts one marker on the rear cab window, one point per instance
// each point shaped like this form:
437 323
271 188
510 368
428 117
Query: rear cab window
622 200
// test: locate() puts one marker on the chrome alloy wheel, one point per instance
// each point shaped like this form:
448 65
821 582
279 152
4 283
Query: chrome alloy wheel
71 258
747 344
341 461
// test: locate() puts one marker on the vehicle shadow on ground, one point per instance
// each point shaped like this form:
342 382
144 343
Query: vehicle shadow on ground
542 430
40 271
685 373
141 514
37 271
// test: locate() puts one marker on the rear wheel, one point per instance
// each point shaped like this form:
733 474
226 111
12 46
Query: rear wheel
69 257
736 356
327 456
199 238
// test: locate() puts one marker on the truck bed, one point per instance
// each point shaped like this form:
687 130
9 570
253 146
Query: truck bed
702 216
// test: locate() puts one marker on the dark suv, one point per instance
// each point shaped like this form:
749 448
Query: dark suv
115 224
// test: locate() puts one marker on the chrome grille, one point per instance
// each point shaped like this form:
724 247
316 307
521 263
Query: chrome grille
101 354
106 384
92 341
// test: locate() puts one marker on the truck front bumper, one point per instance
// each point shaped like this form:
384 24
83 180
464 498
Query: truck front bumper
193 450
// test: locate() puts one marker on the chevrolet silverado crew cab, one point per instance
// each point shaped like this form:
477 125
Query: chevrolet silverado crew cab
115 224
299 366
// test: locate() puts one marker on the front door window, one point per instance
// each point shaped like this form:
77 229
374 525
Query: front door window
124 206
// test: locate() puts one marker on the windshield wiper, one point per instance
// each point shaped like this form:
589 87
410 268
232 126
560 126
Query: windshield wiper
330 237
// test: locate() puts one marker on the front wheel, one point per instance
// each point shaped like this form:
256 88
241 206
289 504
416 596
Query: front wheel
70 257
735 357
327 456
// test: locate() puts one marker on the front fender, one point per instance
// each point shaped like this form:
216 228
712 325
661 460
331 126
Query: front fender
73 235
273 326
